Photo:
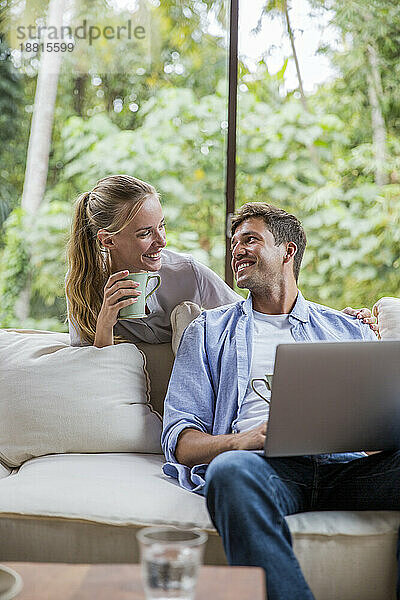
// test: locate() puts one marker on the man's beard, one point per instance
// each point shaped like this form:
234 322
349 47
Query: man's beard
260 285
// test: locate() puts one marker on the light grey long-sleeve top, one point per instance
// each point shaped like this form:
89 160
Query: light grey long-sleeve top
182 278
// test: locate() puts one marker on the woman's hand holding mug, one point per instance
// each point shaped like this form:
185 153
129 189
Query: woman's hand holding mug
116 291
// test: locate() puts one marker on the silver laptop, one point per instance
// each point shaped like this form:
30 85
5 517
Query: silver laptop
334 397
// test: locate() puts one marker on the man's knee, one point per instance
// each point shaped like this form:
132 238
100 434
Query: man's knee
230 469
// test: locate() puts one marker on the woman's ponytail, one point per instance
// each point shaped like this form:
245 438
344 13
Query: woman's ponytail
88 270
111 205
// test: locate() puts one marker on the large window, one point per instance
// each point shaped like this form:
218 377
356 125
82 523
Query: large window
141 87
116 86
318 134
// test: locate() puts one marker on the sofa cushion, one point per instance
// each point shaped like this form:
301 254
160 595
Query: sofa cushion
159 362
181 316
4 471
114 488
55 398
387 311
88 508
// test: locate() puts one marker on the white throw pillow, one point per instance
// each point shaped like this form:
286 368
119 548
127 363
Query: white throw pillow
181 316
387 311
55 398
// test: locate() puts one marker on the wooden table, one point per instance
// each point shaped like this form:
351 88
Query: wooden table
54 581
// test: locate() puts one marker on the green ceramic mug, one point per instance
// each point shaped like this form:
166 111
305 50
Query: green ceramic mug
138 309
267 382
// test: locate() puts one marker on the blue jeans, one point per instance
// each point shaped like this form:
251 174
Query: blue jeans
249 495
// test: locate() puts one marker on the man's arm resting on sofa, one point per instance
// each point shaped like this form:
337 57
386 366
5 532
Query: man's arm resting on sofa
196 447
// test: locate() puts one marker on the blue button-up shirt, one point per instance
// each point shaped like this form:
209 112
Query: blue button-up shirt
212 368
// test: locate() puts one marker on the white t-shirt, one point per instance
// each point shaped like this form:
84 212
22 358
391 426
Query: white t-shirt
182 278
269 331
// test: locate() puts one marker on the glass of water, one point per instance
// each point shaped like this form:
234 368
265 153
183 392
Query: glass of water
170 559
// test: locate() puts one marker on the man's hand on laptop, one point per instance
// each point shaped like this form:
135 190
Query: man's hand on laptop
254 439
364 314
195 447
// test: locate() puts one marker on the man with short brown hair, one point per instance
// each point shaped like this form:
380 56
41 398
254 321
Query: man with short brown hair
215 425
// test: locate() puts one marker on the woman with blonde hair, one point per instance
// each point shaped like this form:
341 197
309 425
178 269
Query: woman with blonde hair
118 227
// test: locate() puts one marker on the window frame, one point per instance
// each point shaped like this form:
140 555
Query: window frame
230 184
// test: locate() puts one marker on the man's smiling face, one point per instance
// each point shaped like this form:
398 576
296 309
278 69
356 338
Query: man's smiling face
257 262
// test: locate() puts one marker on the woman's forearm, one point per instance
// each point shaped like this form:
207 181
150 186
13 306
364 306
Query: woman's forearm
104 336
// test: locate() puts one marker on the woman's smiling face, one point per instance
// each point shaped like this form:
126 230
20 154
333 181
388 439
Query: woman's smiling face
139 245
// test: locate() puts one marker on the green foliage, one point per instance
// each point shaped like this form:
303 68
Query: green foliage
179 147
350 255
14 266
10 103
47 239
34 250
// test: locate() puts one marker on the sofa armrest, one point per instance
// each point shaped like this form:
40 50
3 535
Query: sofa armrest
159 361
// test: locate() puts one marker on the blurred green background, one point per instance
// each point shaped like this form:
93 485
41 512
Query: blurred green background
331 154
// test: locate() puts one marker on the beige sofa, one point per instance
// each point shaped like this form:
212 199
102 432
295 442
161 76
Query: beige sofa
75 488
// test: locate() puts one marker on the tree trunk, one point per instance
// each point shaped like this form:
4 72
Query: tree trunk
313 152
296 60
42 119
79 94
40 135
378 122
